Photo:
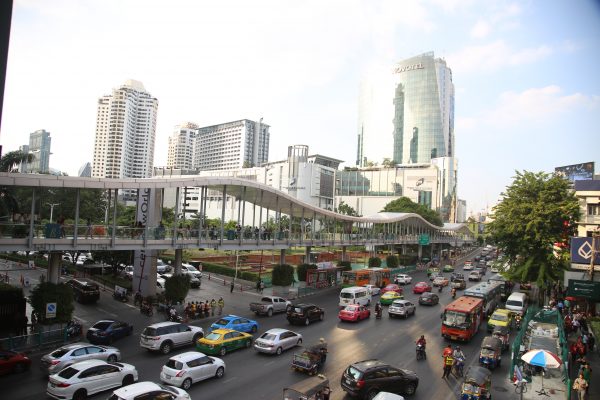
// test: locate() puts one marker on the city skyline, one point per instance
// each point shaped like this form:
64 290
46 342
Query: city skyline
527 94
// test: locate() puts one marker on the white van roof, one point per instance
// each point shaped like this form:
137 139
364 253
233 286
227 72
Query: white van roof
354 289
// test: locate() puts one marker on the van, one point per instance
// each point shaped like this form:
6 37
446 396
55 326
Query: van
355 295
517 302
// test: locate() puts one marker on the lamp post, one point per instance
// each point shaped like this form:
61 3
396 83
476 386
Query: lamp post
52 209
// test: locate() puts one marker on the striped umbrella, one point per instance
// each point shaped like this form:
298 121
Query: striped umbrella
542 358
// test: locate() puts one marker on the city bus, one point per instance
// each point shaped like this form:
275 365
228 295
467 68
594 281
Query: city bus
461 318
379 277
490 292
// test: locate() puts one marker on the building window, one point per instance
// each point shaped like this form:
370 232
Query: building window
593 209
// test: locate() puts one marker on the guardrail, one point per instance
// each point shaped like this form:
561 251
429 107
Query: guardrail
35 340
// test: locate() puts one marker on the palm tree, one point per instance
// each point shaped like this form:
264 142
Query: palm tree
8 203
9 160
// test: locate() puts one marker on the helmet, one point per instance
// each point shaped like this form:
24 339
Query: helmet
422 336
322 340
457 347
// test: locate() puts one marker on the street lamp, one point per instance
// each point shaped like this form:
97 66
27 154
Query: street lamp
52 209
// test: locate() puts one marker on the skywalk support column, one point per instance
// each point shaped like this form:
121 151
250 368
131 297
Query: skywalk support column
178 258
344 253
53 272
144 266
420 251
282 256
307 254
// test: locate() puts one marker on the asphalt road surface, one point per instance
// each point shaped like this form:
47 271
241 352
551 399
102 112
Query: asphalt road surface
250 375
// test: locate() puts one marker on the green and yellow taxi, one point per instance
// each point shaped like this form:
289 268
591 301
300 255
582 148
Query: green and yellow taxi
221 341
389 297
433 270
448 268
500 317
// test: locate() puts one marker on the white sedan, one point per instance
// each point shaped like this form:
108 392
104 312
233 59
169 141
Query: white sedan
372 289
187 368
403 279
149 390
274 341
85 378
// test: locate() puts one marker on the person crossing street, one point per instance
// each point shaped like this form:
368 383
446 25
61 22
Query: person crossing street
221 304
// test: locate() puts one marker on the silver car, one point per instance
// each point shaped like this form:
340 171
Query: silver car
76 352
401 308
275 341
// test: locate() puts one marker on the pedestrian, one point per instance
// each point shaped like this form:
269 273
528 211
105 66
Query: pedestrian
221 304
586 370
213 306
448 361
580 386
61 222
88 232
206 309
258 286
591 342
262 286
231 287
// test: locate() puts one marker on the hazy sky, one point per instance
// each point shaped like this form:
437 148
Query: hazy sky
527 74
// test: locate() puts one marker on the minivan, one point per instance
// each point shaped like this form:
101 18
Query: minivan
354 295
517 302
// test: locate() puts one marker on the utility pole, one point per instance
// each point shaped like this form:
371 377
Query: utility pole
594 251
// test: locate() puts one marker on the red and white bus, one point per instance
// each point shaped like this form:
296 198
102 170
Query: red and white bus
461 318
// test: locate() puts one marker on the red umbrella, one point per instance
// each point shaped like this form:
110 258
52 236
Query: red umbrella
570 298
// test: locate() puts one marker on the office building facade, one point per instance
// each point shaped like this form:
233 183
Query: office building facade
39 147
181 146
409 111
125 133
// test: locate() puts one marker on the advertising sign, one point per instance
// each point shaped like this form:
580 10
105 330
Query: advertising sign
50 310
576 172
144 266
586 289
581 251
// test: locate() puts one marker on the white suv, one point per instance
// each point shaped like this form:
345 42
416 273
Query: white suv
190 270
165 336
401 308
403 279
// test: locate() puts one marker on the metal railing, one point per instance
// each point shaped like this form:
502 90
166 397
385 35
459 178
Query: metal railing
35 340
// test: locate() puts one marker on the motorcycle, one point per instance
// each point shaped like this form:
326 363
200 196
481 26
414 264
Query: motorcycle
518 322
146 310
121 296
440 288
458 367
175 318
73 329
421 354
453 293
378 311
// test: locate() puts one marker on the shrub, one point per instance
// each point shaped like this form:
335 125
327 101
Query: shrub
283 275
176 288
346 265
48 292
392 261
302 270
374 262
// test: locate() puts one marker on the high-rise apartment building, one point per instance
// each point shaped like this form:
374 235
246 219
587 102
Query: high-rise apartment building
231 145
407 116
125 133
39 147
181 146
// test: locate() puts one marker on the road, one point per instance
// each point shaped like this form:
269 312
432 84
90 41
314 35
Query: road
250 375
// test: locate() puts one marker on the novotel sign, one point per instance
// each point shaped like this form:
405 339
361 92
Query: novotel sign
408 68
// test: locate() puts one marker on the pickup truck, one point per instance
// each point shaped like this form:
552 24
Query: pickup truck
269 305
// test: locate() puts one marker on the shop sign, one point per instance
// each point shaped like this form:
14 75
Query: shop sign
585 289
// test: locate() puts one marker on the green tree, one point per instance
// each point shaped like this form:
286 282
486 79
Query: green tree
11 159
537 210
346 209
392 261
302 270
282 275
406 205
374 262
177 288
48 292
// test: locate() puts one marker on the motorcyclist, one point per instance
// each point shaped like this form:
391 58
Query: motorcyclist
518 321
459 358
378 310
323 350
145 306
421 345
172 314
422 342
453 292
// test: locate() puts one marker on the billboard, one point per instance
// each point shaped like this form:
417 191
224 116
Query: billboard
576 172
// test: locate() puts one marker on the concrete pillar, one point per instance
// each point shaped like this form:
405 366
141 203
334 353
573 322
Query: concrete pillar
178 257
307 254
343 253
420 253
53 272
144 267
282 256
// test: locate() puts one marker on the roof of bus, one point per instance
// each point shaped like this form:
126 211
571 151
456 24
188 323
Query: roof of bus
482 288
464 303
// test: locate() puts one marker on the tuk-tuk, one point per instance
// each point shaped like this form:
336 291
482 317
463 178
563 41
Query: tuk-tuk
310 360
313 388
502 333
490 356
477 384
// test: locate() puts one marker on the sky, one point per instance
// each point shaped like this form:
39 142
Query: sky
525 73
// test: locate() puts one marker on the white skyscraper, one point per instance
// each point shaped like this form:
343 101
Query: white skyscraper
181 146
125 133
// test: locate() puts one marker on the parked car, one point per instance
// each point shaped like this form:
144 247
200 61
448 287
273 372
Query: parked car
223 341
84 290
85 378
401 308
403 279
305 313
268 305
164 336
64 356
428 299
161 267
236 323
373 289
275 341
11 361
149 390
354 312
190 367
364 379
107 331
474 276
422 287
392 287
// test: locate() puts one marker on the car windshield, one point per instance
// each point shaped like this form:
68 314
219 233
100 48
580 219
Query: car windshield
103 325
68 372
268 336
354 373
456 319
174 364
350 308
297 310
346 295
500 317
59 353
213 336
222 322
515 303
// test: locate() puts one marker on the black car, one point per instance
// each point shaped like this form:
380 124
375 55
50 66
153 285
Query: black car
107 331
428 299
304 313
365 379
84 290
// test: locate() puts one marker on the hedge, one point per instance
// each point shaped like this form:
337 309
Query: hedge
302 270
392 261
282 275
228 271
346 265
374 262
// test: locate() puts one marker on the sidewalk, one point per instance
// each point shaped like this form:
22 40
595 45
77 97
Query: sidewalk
593 358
